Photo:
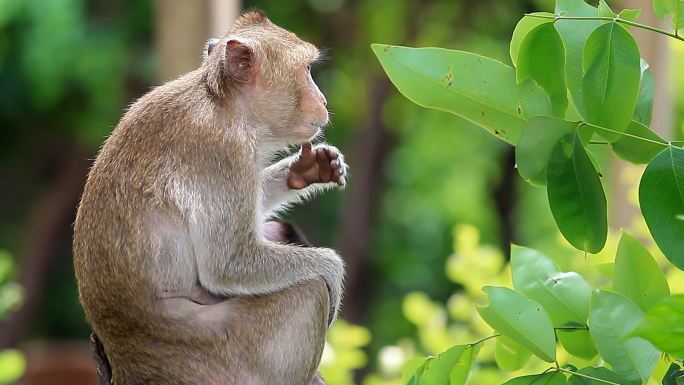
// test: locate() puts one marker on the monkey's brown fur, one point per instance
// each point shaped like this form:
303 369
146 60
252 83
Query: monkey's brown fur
176 202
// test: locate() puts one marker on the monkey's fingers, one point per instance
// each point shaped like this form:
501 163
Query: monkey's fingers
305 161
325 167
339 173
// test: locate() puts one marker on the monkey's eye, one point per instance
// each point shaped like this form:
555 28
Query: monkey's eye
308 68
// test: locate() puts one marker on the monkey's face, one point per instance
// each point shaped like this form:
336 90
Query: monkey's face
271 68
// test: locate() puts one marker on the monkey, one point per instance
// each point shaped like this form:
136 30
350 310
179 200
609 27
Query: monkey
175 204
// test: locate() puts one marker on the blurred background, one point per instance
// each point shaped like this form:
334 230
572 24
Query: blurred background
432 204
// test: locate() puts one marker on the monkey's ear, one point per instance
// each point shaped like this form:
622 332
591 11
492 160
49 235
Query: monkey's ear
240 61
209 47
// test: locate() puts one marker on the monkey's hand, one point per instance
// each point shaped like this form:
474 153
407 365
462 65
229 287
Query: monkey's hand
320 164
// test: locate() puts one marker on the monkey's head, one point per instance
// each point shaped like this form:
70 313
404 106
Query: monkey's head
266 72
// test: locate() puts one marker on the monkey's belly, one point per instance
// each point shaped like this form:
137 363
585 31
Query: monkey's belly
271 340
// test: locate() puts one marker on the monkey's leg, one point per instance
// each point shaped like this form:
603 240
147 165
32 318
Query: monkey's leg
277 232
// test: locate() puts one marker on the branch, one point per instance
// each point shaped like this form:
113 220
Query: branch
615 19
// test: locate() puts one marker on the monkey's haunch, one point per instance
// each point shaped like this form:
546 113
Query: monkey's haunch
282 232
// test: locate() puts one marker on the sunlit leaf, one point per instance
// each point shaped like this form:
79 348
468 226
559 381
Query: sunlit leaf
604 9
418 372
629 15
644 105
461 370
611 319
520 319
438 371
577 342
636 274
510 355
542 59
661 197
476 88
534 147
674 7
524 26
564 296
635 150
410 367
574 34
576 196
556 378
611 78
663 325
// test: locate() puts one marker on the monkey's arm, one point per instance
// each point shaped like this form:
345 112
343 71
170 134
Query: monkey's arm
302 175
259 266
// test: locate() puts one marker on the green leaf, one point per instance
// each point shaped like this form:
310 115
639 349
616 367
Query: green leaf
524 26
674 375
636 150
576 197
636 274
663 325
510 355
629 15
644 105
461 370
661 197
611 78
521 320
602 373
542 59
611 319
555 378
410 367
604 9
564 296
476 88
574 34
674 7
577 342
438 371
418 372
536 142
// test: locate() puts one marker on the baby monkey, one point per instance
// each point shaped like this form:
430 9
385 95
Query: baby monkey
177 271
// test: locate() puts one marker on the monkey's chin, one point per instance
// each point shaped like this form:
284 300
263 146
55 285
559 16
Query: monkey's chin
307 133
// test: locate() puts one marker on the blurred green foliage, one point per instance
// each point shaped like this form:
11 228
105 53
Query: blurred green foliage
12 361
68 68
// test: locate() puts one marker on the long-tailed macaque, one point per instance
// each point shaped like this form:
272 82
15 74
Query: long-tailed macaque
177 272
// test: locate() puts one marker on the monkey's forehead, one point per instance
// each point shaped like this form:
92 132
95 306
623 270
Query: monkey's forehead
273 38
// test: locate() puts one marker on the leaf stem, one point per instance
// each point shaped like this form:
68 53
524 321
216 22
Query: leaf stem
615 19
626 134
572 328
586 376
598 142
484 339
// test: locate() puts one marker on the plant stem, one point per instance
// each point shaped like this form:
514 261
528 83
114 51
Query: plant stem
626 134
586 376
484 339
597 142
616 19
